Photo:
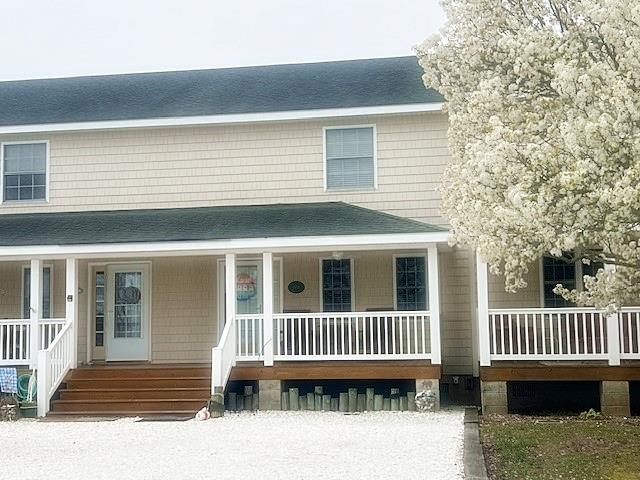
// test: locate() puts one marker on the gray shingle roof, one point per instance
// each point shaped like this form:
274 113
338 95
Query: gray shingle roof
273 88
203 223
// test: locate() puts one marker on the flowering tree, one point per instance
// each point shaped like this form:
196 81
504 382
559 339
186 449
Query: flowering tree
543 99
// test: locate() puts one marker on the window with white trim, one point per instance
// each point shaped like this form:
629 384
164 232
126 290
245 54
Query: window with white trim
24 167
411 283
557 271
336 285
46 292
350 158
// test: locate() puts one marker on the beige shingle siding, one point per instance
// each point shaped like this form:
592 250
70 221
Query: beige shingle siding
183 327
256 164
240 164
528 297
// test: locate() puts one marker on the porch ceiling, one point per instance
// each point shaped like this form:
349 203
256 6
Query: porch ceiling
328 219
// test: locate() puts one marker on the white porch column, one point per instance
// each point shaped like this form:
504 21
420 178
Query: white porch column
613 331
72 305
434 304
35 310
230 286
482 282
267 307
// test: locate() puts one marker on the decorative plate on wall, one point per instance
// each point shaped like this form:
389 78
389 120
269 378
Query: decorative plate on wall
296 287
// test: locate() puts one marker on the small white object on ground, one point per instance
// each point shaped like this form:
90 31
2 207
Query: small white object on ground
265 445
203 414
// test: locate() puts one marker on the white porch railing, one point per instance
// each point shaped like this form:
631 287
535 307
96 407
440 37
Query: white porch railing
15 338
223 357
323 336
249 334
547 334
352 336
53 364
629 333
563 334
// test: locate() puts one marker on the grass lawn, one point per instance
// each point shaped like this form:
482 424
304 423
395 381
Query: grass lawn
537 448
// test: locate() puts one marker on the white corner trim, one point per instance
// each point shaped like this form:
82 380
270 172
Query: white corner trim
225 118
219 247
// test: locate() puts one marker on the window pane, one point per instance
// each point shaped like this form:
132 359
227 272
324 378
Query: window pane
336 285
411 283
11 193
24 167
349 160
46 293
11 180
555 271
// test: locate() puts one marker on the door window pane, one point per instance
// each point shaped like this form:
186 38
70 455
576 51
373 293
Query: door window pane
99 313
248 294
128 305
336 285
411 283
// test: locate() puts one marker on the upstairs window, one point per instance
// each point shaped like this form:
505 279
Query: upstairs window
24 171
350 158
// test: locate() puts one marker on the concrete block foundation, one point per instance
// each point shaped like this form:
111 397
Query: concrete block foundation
494 397
270 394
614 398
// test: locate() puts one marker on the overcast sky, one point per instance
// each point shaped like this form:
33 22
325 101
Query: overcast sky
44 38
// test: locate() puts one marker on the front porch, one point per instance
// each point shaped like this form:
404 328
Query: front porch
346 299
521 339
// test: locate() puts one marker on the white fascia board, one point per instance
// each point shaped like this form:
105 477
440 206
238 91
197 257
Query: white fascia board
225 119
220 247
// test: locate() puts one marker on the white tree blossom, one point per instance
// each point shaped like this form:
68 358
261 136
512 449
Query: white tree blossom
543 98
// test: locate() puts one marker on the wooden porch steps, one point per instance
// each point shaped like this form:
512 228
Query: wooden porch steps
133 390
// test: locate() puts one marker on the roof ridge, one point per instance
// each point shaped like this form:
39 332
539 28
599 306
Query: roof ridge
196 70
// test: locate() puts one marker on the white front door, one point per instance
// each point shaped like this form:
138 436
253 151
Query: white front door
128 299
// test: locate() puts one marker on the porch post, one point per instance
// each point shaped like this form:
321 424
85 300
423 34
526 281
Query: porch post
35 310
72 305
434 304
267 307
613 331
483 311
230 286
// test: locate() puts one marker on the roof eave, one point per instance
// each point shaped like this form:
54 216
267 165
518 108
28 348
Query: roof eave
218 247
225 118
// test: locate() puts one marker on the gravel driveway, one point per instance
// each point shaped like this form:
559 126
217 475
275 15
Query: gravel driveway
267 445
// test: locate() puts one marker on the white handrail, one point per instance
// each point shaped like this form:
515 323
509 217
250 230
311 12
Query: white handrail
53 364
15 338
223 357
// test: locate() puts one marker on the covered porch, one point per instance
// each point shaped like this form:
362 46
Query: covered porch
542 349
342 284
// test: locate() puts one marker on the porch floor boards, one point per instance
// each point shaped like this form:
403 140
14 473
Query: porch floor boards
134 389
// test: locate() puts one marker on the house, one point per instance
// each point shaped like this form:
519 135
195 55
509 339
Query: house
165 236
